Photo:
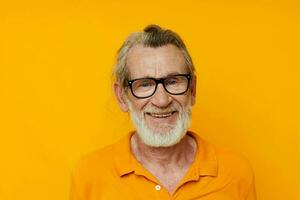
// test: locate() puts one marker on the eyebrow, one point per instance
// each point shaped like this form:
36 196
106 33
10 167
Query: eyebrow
171 74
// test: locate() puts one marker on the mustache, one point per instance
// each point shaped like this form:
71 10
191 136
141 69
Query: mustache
153 109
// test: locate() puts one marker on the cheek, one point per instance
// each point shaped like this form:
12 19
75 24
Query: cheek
138 105
185 100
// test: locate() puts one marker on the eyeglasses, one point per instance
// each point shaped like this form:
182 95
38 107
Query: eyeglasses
145 87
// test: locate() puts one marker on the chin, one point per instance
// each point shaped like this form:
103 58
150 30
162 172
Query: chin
161 130
161 135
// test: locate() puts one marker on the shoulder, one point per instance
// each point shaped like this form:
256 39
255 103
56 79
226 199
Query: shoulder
92 169
235 169
230 166
106 162
99 156
233 162
95 164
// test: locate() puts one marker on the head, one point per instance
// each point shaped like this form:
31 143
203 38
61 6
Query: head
162 116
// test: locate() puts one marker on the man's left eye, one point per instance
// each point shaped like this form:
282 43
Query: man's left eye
145 84
171 81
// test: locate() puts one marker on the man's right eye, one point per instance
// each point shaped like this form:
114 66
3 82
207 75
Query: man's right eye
145 83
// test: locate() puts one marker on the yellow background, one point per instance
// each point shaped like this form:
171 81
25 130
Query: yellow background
56 101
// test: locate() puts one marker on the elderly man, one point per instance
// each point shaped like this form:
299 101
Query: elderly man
161 159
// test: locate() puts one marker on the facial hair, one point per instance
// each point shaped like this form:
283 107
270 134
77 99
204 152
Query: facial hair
164 134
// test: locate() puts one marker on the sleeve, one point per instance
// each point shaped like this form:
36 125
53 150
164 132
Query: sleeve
77 185
246 178
75 193
251 194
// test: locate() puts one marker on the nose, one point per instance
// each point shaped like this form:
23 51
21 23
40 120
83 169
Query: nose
161 98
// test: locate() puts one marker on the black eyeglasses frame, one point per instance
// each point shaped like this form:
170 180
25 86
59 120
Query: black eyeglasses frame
158 81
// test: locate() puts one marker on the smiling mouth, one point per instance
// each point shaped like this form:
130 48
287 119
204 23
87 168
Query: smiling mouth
160 115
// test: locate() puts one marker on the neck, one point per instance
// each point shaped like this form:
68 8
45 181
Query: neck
179 154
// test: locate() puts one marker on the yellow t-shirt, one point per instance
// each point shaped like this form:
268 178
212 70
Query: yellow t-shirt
114 173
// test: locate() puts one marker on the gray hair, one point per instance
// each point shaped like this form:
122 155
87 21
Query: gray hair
152 36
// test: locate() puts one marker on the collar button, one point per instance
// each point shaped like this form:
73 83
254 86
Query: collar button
157 187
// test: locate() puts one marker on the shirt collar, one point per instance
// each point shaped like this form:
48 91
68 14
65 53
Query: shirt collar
205 163
124 160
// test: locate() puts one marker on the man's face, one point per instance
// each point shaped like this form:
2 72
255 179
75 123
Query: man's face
161 119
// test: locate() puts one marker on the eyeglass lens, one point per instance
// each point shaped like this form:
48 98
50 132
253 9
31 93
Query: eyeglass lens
147 86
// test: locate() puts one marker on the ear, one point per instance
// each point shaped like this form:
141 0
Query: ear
121 98
193 89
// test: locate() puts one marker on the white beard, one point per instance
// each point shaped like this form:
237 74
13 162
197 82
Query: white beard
163 135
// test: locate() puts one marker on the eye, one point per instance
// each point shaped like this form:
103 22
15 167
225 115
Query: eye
171 81
144 83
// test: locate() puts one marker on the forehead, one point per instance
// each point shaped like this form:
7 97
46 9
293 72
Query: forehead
155 62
